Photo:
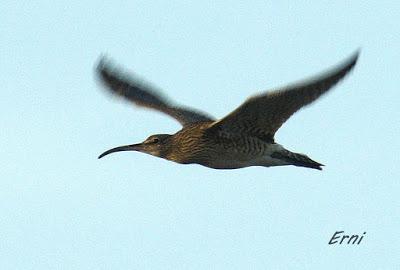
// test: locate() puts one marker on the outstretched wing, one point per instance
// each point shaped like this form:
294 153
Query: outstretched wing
144 95
264 114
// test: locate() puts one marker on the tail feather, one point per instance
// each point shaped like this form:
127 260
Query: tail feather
297 159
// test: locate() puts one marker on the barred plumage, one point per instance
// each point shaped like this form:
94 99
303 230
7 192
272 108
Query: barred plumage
243 138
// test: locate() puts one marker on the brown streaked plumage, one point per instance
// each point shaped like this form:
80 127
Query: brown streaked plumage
243 138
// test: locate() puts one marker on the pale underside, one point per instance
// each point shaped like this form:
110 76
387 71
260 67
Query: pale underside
233 158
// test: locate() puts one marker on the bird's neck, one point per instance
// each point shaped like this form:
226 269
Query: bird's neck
183 146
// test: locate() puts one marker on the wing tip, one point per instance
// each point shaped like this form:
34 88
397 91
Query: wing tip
103 66
355 56
109 74
352 60
337 73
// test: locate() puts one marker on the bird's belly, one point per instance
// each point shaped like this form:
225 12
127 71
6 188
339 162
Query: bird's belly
234 158
265 161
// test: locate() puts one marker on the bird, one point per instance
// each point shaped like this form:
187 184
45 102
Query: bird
243 138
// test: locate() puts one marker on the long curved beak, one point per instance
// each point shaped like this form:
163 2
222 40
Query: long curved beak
131 147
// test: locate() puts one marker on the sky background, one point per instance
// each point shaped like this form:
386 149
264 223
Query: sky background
62 208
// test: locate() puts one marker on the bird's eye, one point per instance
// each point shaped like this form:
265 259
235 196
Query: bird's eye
155 140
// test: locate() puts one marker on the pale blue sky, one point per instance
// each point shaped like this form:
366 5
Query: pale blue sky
61 208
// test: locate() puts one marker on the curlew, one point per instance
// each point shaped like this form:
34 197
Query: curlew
243 138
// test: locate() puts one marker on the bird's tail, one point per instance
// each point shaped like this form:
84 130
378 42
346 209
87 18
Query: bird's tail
297 159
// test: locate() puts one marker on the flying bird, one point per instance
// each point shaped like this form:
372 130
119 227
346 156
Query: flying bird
243 138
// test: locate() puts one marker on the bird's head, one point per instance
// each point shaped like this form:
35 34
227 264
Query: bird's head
155 145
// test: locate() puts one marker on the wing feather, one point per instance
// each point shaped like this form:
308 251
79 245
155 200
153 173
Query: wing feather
264 114
144 95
